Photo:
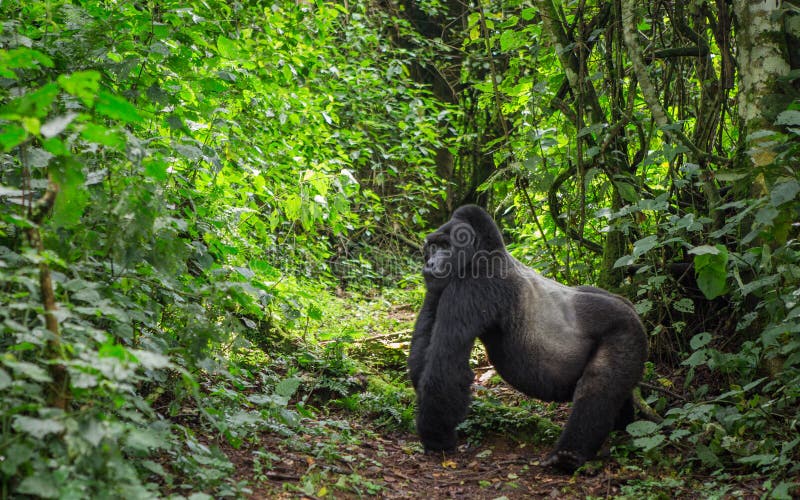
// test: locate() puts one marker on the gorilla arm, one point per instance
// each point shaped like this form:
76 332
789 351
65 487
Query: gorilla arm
422 337
443 390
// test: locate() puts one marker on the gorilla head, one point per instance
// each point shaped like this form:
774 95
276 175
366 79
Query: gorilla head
467 245
548 340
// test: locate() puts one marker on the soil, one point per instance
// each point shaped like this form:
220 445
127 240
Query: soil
495 469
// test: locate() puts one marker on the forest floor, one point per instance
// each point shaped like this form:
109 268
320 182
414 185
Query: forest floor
391 465
340 454
388 467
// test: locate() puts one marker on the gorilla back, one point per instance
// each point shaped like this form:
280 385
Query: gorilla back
548 340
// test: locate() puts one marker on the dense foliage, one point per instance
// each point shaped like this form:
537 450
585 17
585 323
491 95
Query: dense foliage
185 185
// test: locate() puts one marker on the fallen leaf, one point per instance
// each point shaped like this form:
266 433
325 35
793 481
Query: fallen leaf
486 376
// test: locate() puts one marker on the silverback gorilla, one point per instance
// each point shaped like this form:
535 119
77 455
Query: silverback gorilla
548 340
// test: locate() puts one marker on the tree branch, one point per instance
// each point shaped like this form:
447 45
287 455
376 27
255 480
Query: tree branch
661 118
555 212
58 388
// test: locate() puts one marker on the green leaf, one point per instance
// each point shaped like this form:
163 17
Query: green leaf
314 312
265 269
730 175
625 260
144 440
72 197
33 104
33 372
155 168
788 117
766 215
291 207
711 272
5 379
117 108
626 191
11 136
23 58
55 146
15 455
712 283
287 387
528 14
81 84
151 360
510 40
642 428
650 442
684 305
700 340
699 357
37 427
40 484
704 249
100 134
783 192
115 351
707 456
246 273
642 246
227 48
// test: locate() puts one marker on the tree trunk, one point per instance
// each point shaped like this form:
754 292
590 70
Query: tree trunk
763 60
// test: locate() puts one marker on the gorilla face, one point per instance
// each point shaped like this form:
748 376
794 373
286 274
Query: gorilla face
448 254
438 268
468 246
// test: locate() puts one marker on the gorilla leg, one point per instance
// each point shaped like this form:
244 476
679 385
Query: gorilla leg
601 399
625 415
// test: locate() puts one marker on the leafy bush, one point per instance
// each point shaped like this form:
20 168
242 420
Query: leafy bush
169 172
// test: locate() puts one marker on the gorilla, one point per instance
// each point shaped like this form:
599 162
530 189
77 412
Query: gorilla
548 340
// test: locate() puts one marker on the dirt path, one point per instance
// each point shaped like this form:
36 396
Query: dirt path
391 466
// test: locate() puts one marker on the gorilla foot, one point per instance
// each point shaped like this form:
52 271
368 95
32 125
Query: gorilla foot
437 443
564 460
439 452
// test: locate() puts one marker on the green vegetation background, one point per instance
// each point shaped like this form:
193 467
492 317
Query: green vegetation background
210 214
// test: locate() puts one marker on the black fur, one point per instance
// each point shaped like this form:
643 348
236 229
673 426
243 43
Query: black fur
548 340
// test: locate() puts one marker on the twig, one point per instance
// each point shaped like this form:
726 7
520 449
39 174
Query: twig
372 337
277 476
662 389
645 408
58 388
